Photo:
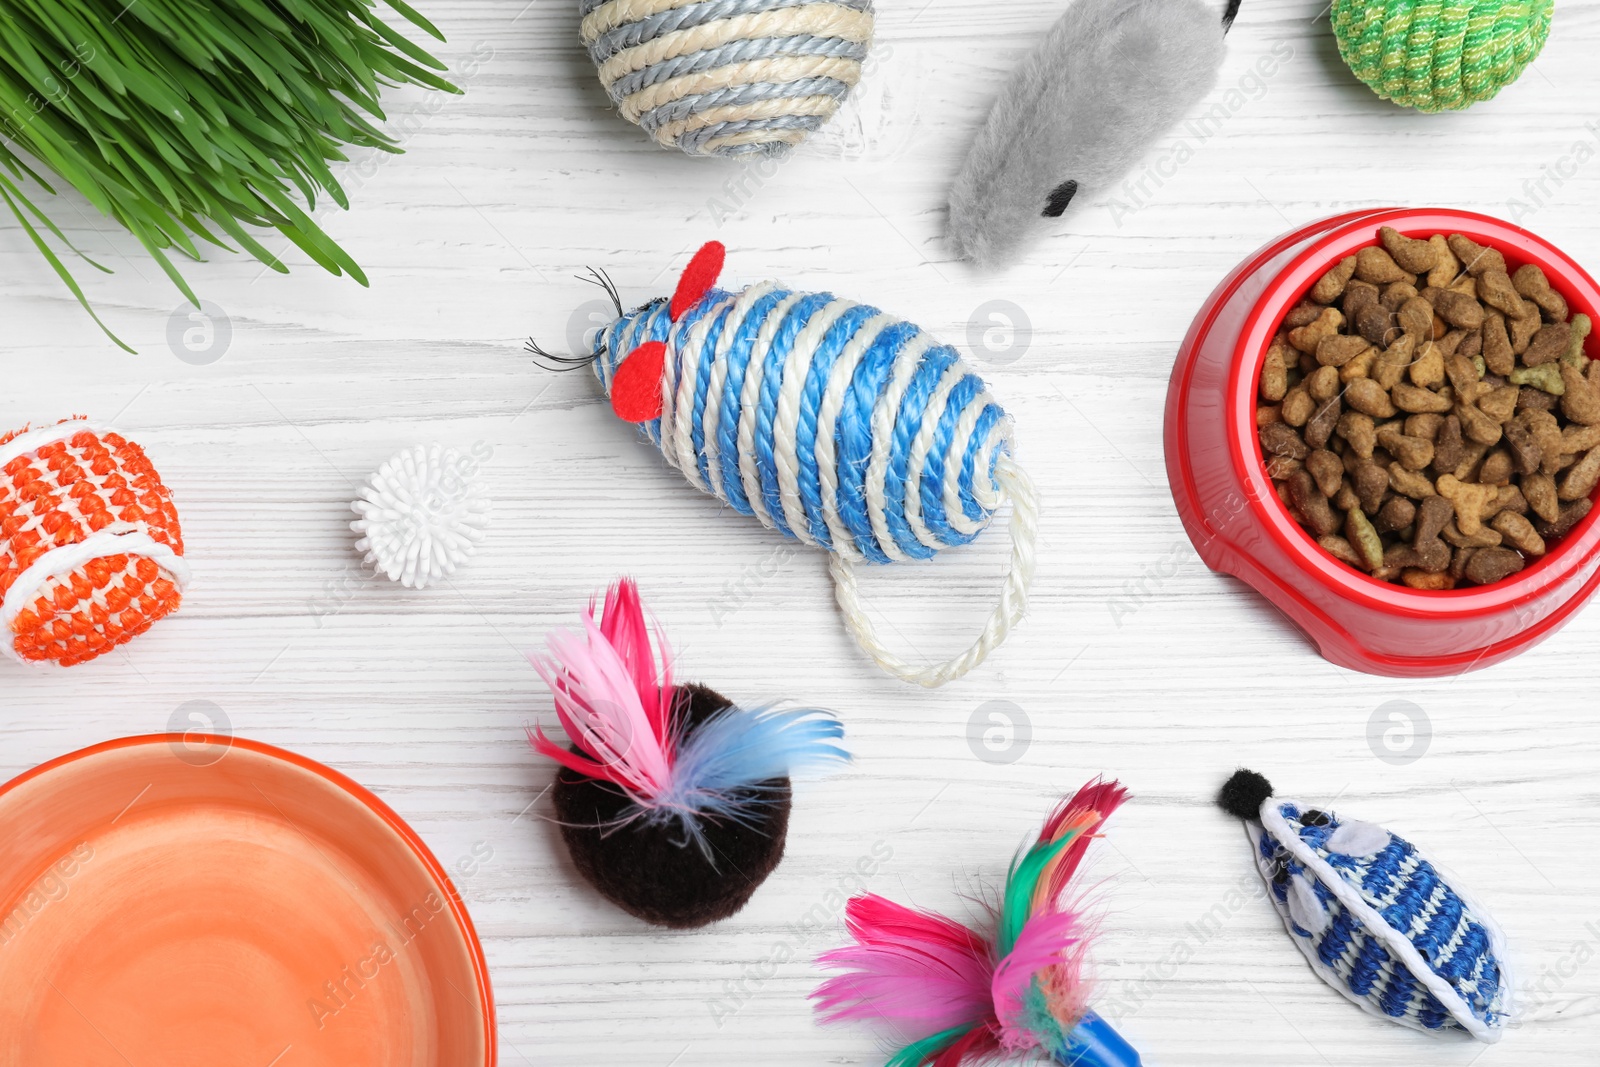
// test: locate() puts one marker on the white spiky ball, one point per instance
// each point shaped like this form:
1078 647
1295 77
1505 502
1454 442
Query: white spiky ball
423 513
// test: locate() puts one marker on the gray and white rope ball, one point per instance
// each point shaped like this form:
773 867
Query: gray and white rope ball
727 77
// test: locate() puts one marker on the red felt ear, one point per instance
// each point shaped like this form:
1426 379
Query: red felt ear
698 278
636 388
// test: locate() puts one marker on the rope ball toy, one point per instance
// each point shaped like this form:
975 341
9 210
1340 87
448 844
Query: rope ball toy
1013 989
830 421
673 801
1373 917
91 553
1440 56
735 78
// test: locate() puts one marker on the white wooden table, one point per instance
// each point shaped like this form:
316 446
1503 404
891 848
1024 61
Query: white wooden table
1136 661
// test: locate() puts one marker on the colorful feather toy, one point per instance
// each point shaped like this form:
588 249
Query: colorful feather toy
656 767
968 997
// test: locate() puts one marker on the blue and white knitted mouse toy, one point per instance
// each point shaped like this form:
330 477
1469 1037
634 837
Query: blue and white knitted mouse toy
1376 920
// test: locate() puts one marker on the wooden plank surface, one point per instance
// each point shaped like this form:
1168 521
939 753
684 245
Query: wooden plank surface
1136 661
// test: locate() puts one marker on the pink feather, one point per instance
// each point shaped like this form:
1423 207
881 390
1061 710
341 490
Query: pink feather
1066 990
1040 947
609 699
623 625
920 971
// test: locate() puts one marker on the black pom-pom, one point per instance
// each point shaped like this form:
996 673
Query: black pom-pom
1244 793
652 870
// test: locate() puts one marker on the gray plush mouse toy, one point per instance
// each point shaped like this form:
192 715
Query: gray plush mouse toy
1109 78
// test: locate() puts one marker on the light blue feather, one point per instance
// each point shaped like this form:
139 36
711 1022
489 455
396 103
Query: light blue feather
718 770
736 750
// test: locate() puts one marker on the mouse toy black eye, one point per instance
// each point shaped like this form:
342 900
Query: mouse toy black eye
1060 197
1314 818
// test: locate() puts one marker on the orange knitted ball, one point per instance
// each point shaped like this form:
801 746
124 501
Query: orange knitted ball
91 554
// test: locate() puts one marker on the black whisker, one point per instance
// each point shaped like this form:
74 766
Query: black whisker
603 280
552 362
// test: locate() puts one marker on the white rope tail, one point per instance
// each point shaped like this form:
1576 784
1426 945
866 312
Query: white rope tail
1014 485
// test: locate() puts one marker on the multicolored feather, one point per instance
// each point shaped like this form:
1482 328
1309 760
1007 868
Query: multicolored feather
618 708
962 996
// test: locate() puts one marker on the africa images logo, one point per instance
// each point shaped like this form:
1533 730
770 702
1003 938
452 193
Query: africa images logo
52 886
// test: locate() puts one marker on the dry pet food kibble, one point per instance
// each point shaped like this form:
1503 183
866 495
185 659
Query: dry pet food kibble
1430 416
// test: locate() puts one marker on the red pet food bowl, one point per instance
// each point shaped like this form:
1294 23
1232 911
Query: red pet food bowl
1240 527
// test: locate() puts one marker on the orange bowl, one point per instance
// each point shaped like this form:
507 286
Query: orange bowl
191 903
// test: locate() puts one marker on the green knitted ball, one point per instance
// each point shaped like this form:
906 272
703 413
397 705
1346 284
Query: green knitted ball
1439 55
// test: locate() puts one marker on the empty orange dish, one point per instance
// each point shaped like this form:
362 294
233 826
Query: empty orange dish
199 902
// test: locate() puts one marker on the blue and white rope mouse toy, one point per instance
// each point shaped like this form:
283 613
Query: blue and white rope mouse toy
829 421
1375 919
